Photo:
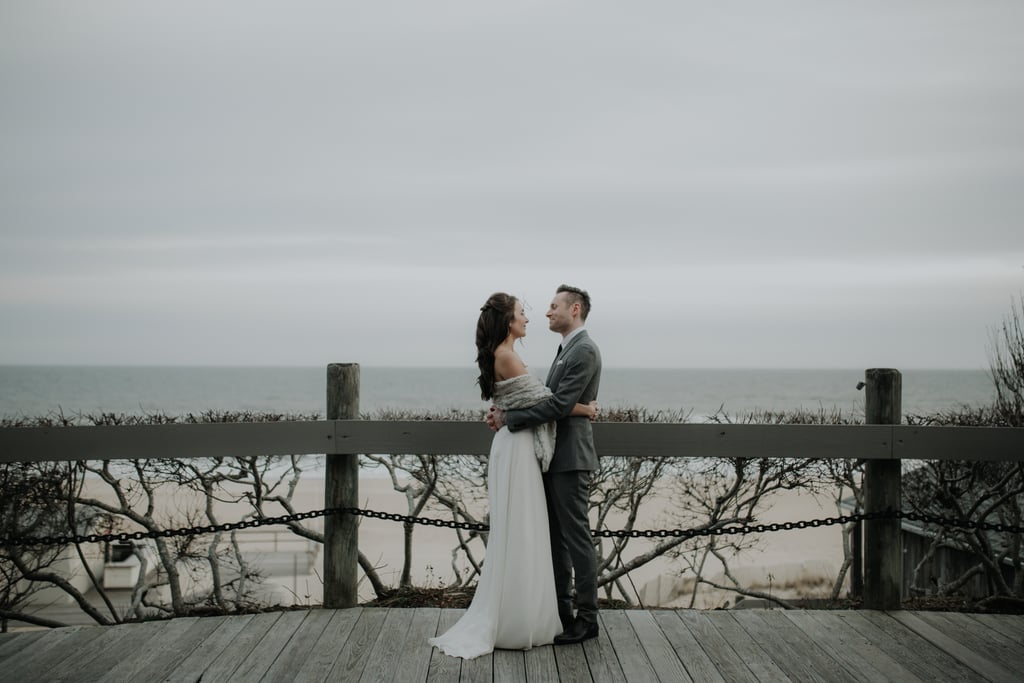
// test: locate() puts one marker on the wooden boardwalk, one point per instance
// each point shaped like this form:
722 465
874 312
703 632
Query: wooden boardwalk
376 644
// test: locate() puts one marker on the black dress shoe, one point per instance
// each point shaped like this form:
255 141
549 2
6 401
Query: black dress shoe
581 630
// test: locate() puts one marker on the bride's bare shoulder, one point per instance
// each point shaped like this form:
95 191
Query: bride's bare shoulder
508 364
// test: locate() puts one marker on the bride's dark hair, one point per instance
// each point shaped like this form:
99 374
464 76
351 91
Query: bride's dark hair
491 329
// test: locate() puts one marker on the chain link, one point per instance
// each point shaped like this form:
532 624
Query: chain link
21 541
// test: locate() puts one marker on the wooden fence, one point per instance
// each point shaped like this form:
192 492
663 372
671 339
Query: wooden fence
882 443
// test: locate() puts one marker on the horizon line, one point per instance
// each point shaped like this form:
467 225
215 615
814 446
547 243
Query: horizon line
274 366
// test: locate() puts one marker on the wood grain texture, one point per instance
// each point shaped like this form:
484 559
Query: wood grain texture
373 644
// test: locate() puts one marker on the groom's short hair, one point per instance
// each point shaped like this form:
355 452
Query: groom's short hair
577 296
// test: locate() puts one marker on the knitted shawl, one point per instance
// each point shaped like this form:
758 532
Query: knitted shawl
522 392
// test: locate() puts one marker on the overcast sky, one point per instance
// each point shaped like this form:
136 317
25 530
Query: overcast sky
737 184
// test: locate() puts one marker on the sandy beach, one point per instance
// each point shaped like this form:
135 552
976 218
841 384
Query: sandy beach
796 563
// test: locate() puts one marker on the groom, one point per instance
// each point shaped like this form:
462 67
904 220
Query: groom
574 378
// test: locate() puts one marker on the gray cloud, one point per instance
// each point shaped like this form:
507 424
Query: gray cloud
743 184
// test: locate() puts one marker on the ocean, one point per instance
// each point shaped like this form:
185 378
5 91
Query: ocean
30 391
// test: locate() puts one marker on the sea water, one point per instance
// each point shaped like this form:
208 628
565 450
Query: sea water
31 391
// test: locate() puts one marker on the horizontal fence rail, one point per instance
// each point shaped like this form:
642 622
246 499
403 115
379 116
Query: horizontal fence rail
430 437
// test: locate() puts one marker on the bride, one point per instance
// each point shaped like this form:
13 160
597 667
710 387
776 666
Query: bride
514 606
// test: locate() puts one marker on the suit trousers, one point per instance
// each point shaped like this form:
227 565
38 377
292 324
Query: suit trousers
572 547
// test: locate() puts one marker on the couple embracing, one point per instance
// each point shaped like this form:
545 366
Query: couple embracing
540 559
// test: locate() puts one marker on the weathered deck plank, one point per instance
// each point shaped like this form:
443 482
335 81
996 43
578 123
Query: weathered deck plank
802 659
268 649
324 653
753 655
541 664
693 657
862 659
975 635
509 666
89 660
1010 626
299 646
50 652
981 664
240 648
445 669
352 658
414 658
391 644
165 652
45 651
478 670
628 649
726 659
191 668
601 658
572 664
908 648
382 664
655 643
15 642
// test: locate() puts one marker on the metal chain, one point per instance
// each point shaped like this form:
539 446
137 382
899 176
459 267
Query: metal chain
19 541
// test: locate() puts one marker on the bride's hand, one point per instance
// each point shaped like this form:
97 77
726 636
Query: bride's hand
594 410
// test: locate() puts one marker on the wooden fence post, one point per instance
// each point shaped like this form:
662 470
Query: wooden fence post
341 489
857 570
883 546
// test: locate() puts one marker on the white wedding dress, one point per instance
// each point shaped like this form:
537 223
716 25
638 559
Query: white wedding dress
514 606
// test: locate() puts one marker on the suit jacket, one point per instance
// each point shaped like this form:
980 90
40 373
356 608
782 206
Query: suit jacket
574 378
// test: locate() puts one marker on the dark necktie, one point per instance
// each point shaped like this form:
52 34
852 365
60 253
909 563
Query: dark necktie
554 363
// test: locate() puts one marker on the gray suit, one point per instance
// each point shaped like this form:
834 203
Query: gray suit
574 378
